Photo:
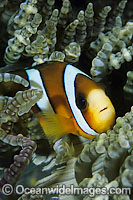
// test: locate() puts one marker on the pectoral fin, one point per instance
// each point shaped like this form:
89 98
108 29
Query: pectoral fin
55 125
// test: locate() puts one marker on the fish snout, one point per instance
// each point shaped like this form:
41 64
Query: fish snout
101 115
105 118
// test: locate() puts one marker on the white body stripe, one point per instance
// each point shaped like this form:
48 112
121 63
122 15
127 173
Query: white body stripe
36 82
69 79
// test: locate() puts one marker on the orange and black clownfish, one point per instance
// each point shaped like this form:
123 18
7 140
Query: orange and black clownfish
71 103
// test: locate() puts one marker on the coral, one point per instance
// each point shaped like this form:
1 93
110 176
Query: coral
23 100
128 88
10 110
113 148
89 18
81 29
109 156
63 13
40 52
51 29
25 24
7 9
57 56
56 33
118 11
47 8
113 49
69 33
20 161
101 20
6 77
72 52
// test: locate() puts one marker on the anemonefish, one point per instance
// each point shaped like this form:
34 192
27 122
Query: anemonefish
71 103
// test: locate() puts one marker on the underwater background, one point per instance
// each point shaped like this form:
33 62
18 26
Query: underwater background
96 37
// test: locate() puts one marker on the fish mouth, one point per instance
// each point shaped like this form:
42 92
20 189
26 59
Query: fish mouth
107 113
103 109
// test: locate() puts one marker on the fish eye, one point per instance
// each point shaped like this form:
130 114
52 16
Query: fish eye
81 102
